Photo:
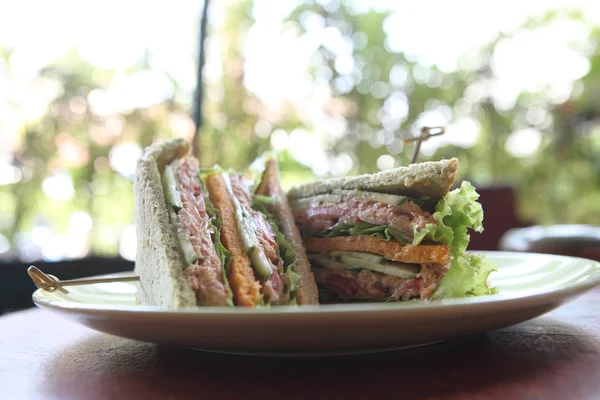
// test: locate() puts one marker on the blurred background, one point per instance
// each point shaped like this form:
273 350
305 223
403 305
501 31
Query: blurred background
333 85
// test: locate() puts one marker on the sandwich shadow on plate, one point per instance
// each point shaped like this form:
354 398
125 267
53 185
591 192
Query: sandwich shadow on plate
518 362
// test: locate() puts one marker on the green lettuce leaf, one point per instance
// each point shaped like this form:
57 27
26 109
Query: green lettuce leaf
455 214
263 200
215 169
366 229
466 277
261 303
286 251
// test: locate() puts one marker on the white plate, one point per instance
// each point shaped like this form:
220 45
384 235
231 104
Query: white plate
529 285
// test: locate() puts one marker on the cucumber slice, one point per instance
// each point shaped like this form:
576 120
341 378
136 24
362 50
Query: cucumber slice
171 188
185 246
340 195
189 254
358 260
321 260
400 270
369 257
390 199
248 231
261 263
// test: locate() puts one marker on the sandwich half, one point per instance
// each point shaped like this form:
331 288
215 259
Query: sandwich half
394 235
205 239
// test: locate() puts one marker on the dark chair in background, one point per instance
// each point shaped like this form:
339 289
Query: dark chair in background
569 240
499 216
505 231
16 286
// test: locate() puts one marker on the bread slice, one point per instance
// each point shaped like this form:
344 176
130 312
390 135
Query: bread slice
158 262
245 287
307 292
432 179
394 251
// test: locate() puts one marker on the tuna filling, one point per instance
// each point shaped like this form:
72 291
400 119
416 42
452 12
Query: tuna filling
206 274
405 218
369 285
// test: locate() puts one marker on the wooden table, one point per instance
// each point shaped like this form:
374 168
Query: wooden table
556 356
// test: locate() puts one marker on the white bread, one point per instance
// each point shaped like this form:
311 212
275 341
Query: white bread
307 292
158 261
423 179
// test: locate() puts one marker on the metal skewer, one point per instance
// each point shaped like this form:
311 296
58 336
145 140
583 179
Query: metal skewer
50 283
426 133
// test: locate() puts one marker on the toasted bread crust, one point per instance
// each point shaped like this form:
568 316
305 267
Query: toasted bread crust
245 287
158 263
307 292
423 179
394 251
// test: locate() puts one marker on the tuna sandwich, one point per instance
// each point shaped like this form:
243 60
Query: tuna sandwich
395 235
207 238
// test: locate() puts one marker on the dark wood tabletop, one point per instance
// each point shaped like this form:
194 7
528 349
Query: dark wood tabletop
556 356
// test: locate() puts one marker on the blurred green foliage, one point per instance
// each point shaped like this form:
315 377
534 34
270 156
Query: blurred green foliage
559 183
